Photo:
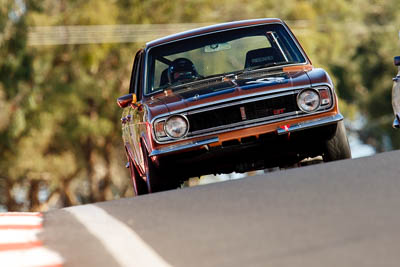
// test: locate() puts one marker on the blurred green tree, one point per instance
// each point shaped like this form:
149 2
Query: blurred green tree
17 98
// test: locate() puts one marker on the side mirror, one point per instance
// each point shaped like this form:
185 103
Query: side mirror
126 100
397 61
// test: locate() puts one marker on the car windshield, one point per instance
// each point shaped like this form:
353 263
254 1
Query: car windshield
219 54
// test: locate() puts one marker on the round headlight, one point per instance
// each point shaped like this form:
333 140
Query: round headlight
308 100
176 126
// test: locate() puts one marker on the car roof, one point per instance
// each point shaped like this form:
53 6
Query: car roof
212 28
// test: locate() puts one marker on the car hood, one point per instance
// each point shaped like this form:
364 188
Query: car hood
225 90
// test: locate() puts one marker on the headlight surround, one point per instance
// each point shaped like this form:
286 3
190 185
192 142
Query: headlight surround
176 126
159 129
309 100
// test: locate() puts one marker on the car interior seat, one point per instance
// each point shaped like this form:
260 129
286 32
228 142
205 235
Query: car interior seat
262 56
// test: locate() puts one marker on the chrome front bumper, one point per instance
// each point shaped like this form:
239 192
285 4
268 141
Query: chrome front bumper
287 129
309 124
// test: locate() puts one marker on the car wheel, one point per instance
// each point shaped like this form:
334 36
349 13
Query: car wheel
139 185
152 176
337 147
156 182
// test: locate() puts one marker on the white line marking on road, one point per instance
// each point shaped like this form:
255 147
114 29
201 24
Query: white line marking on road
19 214
30 257
18 236
122 242
19 244
20 220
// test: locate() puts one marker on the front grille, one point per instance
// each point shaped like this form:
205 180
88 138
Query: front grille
243 113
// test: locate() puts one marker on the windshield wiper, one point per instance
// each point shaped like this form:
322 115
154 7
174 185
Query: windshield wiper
184 83
216 76
274 64
231 76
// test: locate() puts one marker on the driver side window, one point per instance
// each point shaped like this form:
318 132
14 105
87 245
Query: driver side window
160 73
135 82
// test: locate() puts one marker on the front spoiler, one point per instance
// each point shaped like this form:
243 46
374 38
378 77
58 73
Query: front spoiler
284 130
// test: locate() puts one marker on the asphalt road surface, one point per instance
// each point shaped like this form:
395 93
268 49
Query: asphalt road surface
345 213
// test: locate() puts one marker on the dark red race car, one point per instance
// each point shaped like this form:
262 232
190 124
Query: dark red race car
236 96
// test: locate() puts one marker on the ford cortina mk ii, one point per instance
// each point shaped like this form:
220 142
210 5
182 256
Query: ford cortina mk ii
238 96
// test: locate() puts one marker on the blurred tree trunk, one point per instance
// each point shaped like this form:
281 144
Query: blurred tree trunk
67 195
11 204
33 195
105 186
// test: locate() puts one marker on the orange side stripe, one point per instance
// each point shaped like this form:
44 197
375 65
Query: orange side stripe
19 246
20 227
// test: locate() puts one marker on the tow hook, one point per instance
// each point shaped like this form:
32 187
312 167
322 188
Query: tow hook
286 130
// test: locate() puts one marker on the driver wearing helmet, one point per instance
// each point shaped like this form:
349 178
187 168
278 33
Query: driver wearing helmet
181 69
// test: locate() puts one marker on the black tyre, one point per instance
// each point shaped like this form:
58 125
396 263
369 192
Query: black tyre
337 148
155 181
139 185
